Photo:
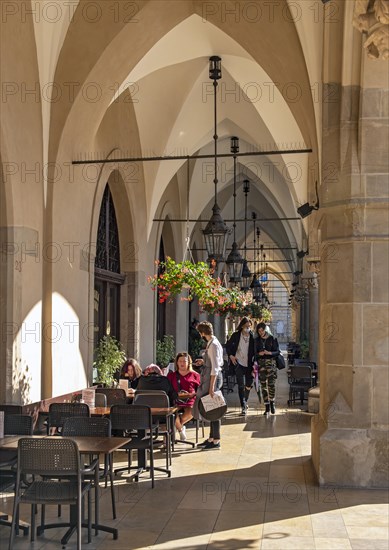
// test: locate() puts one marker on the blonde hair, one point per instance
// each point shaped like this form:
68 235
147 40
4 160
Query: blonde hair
183 354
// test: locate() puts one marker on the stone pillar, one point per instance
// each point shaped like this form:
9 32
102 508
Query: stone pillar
313 320
313 288
349 435
306 314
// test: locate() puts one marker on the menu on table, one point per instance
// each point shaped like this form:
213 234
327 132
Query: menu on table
88 397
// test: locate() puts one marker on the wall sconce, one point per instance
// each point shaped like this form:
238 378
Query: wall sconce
307 208
302 253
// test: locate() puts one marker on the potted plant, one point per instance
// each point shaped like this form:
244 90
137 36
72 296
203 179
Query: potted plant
304 349
197 280
165 350
109 358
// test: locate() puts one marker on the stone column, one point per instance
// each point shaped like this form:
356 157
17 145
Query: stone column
306 314
349 435
313 288
313 320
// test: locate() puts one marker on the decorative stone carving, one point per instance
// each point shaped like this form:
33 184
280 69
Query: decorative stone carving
310 280
314 265
372 17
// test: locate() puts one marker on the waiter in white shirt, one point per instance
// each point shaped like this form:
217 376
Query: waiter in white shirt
211 379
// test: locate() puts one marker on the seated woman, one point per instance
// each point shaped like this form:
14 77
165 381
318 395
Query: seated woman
131 371
153 379
184 381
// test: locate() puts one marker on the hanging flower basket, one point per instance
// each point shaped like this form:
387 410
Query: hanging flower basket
213 297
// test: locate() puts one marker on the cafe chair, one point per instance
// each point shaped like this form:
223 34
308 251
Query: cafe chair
300 381
48 458
11 409
93 427
8 481
59 411
18 424
136 421
15 424
115 396
164 425
140 392
100 400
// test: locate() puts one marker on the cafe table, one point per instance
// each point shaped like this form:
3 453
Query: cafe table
167 412
86 445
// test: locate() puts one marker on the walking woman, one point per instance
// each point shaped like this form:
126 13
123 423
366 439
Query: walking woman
211 379
240 351
266 349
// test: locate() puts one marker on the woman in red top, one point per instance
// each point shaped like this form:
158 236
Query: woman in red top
184 381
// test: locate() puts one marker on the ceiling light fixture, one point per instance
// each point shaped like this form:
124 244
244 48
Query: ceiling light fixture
216 231
234 261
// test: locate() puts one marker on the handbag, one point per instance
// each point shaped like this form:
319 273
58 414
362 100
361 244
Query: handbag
280 362
182 400
215 413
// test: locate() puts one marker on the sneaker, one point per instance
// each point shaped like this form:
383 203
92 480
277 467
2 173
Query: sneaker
211 445
203 444
243 413
183 434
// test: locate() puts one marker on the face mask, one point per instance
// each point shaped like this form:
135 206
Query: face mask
247 330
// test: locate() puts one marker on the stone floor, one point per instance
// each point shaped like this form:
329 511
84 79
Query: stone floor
257 492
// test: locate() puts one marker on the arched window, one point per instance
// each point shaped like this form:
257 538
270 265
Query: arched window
107 272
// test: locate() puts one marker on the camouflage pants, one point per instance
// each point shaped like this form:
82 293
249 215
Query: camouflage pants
267 379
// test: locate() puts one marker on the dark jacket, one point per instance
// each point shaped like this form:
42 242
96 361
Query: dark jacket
233 343
157 382
269 344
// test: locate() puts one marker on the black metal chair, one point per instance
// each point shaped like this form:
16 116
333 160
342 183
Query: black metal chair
93 427
18 424
165 426
300 380
8 481
115 396
136 421
11 409
48 458
100 400
59 411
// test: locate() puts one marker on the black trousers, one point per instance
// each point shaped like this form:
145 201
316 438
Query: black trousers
214 431
245 380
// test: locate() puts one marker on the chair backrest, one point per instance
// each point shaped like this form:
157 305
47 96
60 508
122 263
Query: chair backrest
48 456
140 392
87 426
100 400
159 399
115 396
11 409
59 411
301 373
307 362
131 417
18 424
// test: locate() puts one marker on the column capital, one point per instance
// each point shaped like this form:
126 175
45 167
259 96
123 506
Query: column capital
371 18
313 264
